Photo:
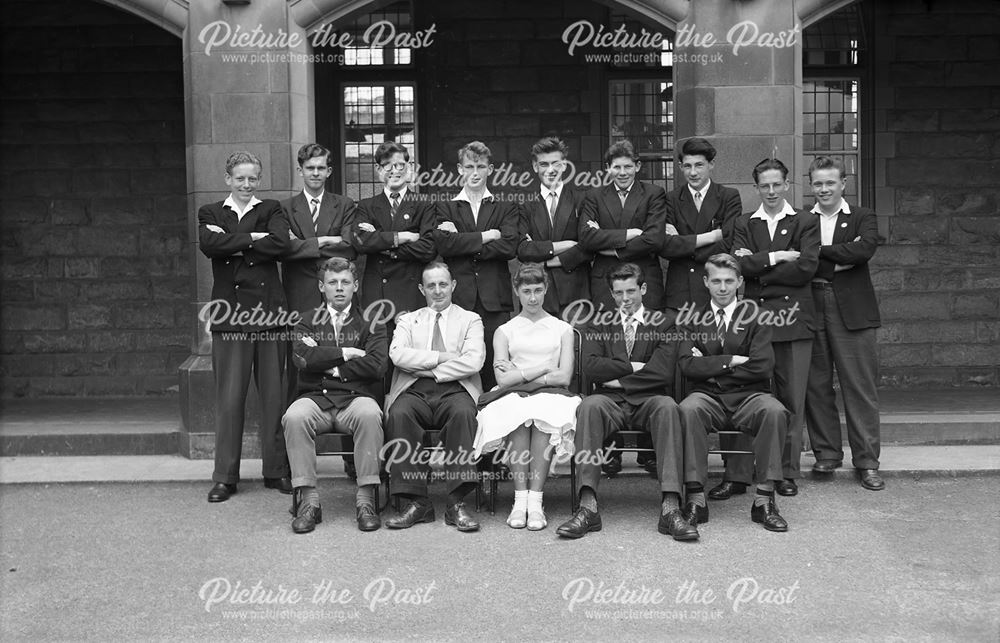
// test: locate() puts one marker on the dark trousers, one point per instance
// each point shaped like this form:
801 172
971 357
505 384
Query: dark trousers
598 417
427 405
854 354
791 371
233 361
491 322
760 416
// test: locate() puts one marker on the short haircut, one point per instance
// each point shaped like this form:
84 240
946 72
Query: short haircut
548 145
312 150
435 265
337 264
696 147
530 274
724 260
769 164
827 163
385 151
624 271
474 151
241 157
619 149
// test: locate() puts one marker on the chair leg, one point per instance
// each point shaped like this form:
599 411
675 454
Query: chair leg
494 474
574 501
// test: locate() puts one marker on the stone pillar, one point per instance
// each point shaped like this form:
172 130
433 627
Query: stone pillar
261 102
747 101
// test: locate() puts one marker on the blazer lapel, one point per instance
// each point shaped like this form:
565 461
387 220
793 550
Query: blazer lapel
635 195
540 220
383 211
688 213
486 210
760 236
328 212
302 217
709 206
454 339
405 215
784 232
843 230
564 208
466 222
614 205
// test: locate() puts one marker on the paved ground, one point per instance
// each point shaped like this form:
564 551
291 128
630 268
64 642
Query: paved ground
137 561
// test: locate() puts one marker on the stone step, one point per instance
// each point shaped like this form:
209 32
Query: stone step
152 426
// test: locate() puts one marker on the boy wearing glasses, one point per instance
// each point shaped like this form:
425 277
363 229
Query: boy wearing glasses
395 231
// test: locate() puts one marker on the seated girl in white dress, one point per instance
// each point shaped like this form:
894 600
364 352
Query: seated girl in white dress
530 410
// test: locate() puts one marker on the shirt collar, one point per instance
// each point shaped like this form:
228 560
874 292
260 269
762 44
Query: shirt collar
844 207
728 309
638 316
230 202
703 191
319 197
401 193
788 210
444 313
545 191
625 190
333 311
464 196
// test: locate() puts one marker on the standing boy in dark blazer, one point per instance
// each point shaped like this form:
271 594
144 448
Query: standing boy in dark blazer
341 358
549 229
727 357
701 216
846 318
319 223
624 221
778 250
477 235
396 232
244 236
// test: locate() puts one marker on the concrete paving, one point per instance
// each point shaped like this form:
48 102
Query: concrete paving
154 561
899 460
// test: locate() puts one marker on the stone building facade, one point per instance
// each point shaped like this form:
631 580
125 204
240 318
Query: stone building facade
116 123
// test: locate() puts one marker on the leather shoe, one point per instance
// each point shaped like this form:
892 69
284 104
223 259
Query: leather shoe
612 465
582 522
368 520
786 487
306 518
727 489
415 511
871 480
826 466
695 515
768 516
458 516
220 492
284 485
673 523
648 462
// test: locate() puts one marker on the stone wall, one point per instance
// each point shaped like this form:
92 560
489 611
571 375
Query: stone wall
93 219
937 177
502 75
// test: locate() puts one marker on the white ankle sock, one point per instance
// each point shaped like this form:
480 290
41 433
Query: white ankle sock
520 501
534 501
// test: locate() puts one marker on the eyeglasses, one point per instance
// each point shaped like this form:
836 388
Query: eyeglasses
401 165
